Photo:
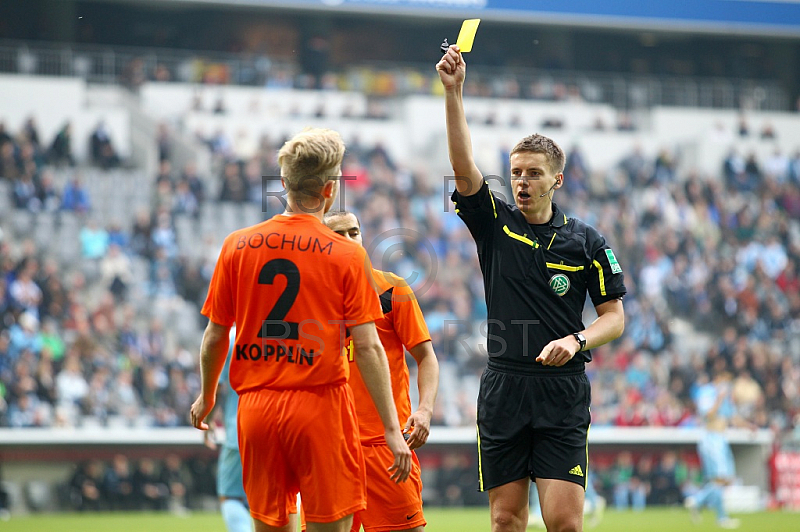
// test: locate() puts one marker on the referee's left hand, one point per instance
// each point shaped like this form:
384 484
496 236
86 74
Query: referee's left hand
558 352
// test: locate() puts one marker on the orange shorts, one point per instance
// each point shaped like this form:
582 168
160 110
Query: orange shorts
301 441
390 506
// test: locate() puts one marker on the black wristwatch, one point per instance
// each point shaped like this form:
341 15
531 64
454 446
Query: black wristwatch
581 340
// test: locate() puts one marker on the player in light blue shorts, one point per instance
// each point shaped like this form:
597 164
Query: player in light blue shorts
716 456
716 408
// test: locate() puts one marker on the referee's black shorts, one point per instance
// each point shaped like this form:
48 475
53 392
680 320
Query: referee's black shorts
533 426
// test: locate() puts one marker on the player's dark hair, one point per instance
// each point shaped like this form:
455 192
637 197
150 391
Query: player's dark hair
336 213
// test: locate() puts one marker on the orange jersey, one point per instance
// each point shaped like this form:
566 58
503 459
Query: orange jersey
292 286
401 326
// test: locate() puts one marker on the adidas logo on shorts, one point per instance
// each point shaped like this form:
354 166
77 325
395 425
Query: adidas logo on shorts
576 471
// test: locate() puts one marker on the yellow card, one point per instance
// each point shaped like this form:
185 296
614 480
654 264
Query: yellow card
467 34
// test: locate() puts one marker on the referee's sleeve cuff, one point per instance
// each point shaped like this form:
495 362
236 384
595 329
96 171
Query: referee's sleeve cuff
472 201
608 297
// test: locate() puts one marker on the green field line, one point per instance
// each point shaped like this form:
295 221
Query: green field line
444 520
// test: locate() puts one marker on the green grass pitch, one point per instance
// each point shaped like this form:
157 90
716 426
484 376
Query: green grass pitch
444 520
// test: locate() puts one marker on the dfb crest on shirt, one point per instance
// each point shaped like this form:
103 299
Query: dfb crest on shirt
559 283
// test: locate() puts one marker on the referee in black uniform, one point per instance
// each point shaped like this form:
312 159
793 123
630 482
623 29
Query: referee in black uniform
538 265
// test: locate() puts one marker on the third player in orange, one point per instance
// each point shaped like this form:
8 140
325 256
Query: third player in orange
392 506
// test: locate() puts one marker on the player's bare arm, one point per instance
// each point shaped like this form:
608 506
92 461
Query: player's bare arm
374 368
213 351
608 326
419 424
452 70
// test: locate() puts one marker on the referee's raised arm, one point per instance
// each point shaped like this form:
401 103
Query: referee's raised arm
452 70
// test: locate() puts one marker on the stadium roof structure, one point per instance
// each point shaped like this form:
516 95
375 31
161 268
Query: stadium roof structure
746 17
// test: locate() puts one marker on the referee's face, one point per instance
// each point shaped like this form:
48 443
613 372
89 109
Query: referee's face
532 179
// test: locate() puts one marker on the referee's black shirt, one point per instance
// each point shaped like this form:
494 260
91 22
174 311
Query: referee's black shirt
536 277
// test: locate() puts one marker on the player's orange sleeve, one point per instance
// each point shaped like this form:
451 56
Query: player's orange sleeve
409 323
402 326
361 303
219 306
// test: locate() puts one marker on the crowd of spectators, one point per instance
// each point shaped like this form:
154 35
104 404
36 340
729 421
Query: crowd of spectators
26 163
74 349
124 484
379 80
722 256
720 252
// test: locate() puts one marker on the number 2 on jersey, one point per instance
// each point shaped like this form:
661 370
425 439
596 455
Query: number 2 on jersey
274 326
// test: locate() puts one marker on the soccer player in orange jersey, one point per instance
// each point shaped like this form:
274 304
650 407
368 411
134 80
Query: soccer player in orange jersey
392 506
292 286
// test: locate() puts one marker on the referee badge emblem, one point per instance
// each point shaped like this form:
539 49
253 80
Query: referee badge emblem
612 261
559 283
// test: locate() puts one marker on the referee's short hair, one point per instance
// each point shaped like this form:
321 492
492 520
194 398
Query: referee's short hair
537 143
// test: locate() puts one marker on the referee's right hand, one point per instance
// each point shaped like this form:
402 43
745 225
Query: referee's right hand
401 467
558 352
451 68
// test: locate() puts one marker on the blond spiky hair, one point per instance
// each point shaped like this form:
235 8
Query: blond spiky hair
311 158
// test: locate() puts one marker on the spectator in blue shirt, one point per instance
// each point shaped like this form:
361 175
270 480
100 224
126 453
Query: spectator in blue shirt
75 197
